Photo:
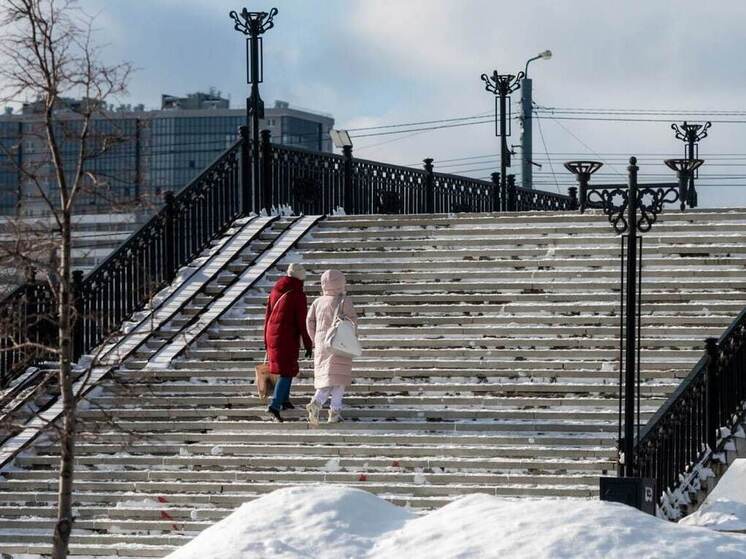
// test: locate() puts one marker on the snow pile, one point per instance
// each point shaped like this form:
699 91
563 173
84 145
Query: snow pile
338 522
725 507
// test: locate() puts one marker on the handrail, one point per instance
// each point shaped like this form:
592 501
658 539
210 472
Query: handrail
142 265
690 425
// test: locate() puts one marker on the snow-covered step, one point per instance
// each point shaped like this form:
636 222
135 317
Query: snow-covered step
258 267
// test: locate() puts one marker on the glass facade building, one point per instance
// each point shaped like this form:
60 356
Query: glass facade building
10 162
139 155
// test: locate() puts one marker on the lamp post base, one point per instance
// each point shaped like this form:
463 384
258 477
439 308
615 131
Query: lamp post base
636 492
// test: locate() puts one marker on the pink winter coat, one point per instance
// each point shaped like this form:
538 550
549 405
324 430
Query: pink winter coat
329 369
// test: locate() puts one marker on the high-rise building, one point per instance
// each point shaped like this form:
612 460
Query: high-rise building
141 153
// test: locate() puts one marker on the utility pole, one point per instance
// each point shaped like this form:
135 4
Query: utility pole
527 146
254 25
502 85
691 134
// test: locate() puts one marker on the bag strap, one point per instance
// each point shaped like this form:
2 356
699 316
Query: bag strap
338 309
277 304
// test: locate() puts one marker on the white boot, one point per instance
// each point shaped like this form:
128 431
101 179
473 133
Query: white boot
313 409
335 416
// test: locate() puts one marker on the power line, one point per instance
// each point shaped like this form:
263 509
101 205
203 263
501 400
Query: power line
424 129
420 123
671 112
541 133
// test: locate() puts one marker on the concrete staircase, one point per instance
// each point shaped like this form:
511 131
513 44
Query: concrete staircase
490 366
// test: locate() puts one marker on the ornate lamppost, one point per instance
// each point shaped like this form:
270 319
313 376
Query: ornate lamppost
254 25
691 134
631 209
502 85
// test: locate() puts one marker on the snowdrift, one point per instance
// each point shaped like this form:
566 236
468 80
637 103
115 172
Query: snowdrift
725 507
337 522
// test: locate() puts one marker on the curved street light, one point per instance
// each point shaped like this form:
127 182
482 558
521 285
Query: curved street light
527 147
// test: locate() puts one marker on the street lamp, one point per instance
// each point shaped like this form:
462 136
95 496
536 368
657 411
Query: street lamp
632 209
527 147
691 134
502 85
583 171
254 25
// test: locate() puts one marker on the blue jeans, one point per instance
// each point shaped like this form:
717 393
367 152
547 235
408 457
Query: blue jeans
282 393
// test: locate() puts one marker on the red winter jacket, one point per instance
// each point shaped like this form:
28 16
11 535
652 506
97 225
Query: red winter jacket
285 326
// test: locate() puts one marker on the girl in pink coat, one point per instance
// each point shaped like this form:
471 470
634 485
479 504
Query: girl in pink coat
332 373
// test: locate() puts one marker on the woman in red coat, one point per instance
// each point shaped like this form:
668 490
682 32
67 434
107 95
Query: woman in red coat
284 326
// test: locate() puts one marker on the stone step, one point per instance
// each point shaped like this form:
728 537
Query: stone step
119 513
444 238
206 490
464 413
477 261
487 251
242 477
433 340
331 462
304 386
409 360
186 527
651 300
176 401
606 322
554 275
502 304
149 377
173 442
367 330
416 350
457 228
456 284
522 219
423 425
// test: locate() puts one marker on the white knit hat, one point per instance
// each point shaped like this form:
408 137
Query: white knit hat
296 270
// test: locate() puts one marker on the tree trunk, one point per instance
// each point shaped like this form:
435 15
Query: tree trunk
64 523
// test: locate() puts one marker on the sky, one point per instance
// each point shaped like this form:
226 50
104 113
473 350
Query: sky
381 62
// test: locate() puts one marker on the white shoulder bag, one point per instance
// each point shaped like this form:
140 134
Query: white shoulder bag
342 336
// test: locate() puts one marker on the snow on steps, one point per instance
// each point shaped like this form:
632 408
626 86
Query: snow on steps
490 367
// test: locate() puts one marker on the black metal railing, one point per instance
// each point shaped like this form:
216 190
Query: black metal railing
27 329
149 259
689 425
313 182
123 283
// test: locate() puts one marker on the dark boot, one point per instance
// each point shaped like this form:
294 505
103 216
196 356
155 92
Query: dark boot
275 414
288 405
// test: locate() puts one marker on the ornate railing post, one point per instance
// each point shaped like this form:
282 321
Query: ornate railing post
497 199
248 202
429 186
685 169
711 383
169 237
691 134
573 193
349 205
78 321
266 174
583 171
511 194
